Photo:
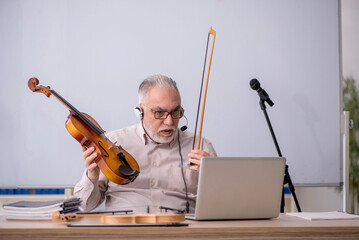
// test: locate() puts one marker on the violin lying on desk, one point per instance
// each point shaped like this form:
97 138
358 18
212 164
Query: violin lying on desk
143 218
115 163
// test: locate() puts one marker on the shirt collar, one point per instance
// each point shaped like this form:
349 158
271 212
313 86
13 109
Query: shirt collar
141 133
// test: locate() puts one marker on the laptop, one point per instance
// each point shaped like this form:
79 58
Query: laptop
239 188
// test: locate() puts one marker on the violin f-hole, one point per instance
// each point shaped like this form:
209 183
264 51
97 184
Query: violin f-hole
105 155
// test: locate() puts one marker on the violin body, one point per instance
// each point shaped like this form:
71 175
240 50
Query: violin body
108 153
114 162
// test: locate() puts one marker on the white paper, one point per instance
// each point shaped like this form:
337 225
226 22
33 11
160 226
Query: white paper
335 215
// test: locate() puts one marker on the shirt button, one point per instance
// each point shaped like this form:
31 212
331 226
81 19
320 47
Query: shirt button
154 164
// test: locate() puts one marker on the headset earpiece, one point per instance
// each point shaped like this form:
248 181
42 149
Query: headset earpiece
138 113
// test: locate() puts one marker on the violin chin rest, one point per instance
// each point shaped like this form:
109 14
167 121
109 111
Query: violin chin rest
128 172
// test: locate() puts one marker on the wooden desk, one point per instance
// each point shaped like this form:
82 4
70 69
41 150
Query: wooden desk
284 227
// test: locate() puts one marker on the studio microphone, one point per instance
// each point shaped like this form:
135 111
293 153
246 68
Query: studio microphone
183 128
255 85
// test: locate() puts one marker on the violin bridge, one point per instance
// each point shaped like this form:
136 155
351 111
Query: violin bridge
112 145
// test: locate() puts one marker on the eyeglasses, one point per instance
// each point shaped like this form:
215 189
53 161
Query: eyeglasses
175 114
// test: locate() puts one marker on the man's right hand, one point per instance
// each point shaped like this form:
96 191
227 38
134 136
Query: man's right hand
89 155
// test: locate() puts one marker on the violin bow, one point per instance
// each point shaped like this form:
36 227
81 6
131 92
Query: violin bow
213 33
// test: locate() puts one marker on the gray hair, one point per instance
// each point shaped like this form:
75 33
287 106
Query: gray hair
157 80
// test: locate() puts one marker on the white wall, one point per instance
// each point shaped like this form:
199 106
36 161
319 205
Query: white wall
95 53
331 198
350 38
316 199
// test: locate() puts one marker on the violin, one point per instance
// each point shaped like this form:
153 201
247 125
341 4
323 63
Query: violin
114 162
142 218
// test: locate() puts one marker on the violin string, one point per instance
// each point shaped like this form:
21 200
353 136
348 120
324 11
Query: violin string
93 126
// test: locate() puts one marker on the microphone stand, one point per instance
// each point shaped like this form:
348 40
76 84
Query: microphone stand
287 179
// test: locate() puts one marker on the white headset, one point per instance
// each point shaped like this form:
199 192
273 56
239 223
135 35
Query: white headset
138 113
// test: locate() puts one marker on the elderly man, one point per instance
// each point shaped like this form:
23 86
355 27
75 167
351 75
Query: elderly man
163 152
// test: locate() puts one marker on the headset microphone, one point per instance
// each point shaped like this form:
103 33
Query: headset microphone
184 128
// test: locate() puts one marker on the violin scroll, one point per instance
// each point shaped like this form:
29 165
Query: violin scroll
58 217
33 82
